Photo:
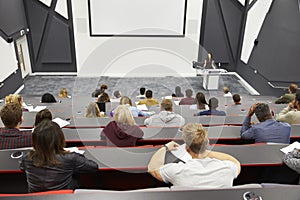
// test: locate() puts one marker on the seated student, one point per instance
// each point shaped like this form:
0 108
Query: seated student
178 92
236 99
166 116
189 100
268 130
63 93
213 104
292 160
48 98
48 166
206 169
10 136
142 93
134 110
92 110
103 98
97 92
291 114
117 94
149 101
15 98
200 102
289 97
123 131
226 92
42 115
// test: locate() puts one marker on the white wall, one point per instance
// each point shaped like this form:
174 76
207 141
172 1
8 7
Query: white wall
136 56
8 60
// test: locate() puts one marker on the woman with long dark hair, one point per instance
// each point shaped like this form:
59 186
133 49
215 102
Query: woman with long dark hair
49 166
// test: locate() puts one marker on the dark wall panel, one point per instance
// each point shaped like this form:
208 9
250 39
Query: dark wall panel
11 84
276 56
51 39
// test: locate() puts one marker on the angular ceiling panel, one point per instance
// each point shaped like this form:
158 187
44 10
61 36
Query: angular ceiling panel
58 37
62 8
242 2
46 2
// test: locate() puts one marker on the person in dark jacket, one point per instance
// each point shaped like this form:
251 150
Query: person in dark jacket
213 104
49 166
123 131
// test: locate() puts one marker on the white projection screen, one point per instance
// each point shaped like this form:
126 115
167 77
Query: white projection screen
137 17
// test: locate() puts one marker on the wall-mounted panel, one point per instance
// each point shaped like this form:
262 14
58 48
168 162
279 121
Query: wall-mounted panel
8 59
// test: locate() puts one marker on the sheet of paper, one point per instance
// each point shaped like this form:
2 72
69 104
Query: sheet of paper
291 147
74 149
181 153
61 122
36 109
142 107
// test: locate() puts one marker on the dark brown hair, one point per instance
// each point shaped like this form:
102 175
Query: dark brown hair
48 141
41 115
11 115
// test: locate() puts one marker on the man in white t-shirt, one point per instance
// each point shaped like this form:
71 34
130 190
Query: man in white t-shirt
207 169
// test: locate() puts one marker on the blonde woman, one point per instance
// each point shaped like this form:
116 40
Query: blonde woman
206 169
123 131
15 98
63 93
92 110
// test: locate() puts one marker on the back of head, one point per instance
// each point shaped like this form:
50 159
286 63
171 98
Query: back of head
11 115
63 93
189 93
195 137
48 140
142 90
123 115
262 112
92 110
103 97
42 115
125 101
117 94
48 98
103 87
236 98
225 90
149 94
213 103
13 98
200 98
293 88
166 104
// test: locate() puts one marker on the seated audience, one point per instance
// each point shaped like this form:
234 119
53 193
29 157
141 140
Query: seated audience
123 131
92 110
166 116
226 92
213 104
15 98
97 92
291 114
292 160
48 166
142 93
48 98
268 130
236 99
103 98
178 92
117 94
149 101
134 110
189 100
10 136
63 93
289 97
206 169
200 102
42 115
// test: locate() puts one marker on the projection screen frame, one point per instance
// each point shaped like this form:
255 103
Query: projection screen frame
134 35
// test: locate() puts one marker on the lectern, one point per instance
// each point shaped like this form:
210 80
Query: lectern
211 78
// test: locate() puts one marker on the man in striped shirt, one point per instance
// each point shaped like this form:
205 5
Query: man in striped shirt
10 136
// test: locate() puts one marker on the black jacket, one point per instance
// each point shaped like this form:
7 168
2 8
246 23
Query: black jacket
56 177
